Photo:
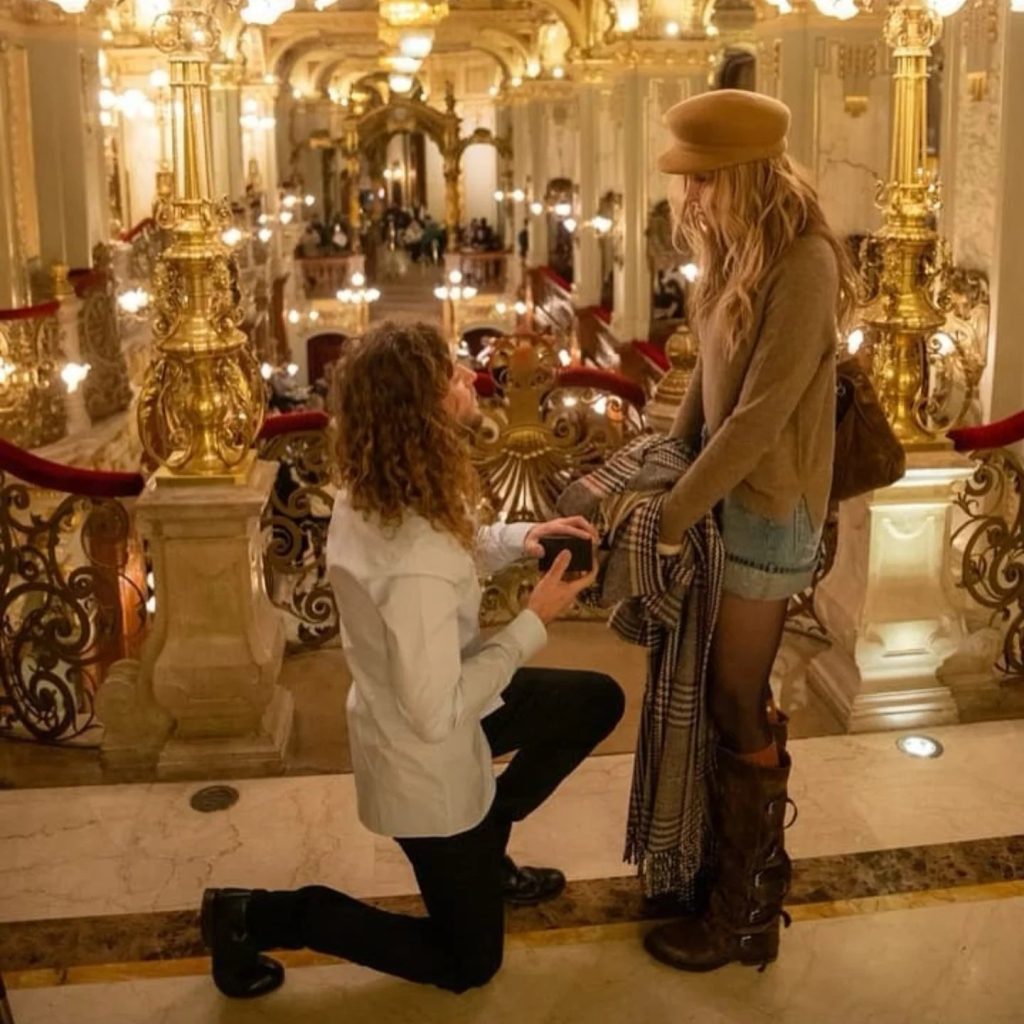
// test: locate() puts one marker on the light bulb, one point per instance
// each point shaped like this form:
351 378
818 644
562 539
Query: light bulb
499 196
854 340
285 216
518 195
689 271
358 279
405 65
159 79
563 209
416 45
569 224
536 208
520 308
558 72
266 371
73 374
400 83
672 29
231 236
501 308
293 369
564 357
294 316
310 200
265 235
440 292
455 277
314 315
372 294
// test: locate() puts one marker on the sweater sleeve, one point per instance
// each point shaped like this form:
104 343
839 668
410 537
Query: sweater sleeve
690 417
796 335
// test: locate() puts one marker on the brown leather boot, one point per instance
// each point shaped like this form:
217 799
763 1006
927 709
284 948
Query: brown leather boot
778 722
742 921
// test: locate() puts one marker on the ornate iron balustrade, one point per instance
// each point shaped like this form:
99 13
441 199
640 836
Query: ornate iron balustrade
106 390
295 524
992 533
543 428
32 410
72 591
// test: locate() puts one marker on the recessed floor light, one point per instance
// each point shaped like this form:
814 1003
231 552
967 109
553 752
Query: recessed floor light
920 746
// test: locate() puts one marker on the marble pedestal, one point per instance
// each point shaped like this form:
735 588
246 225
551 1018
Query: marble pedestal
214 656
889 605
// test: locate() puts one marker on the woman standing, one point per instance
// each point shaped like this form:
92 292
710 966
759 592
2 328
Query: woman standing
774 284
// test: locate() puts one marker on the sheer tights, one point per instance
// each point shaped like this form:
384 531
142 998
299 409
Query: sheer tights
746 640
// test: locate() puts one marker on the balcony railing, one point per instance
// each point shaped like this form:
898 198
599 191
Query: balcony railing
486 271
72 591
324 276
32 411
991 536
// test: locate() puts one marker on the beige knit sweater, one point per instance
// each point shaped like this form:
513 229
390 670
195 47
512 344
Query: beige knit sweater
769 409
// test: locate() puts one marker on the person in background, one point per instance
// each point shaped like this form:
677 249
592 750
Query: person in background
432 701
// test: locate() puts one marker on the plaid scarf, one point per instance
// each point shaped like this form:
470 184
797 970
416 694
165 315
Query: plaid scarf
669 605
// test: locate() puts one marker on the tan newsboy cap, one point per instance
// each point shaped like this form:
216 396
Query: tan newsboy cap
723 128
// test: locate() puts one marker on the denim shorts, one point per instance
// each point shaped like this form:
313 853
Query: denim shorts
766 560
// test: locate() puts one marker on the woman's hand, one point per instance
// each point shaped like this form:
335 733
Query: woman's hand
573 526
554 595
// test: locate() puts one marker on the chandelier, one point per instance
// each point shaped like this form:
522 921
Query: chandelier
412 13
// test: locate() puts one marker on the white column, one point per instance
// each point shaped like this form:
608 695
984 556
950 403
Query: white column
632 317
225 111
14 290
587 282
539 173
68 146
1003 383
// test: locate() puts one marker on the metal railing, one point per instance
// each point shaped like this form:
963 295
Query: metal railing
72 591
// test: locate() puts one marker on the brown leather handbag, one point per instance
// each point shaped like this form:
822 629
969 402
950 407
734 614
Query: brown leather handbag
868 454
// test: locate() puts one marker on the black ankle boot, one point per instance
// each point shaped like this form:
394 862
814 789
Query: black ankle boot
239 969
526 887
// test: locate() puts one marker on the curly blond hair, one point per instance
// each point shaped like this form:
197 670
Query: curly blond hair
398 449
737 225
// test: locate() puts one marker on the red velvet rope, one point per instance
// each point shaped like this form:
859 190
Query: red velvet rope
577 377
553 275
133 233
599 312
54 476
602 380
1000 434
288 422
44 309
653 354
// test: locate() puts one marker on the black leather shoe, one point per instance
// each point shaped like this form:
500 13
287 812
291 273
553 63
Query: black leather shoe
525 887
239 969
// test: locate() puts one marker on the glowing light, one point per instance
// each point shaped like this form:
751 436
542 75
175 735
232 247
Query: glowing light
265 12
919 746
405 65
358 279
314 315
455 277
265 235
293 369
309 200
564 357
133 300
499 196
294 316
536 208
601 406
469 292
563 209
440 292
854 340
520 307
6 370
532 68
558 72
285 216
569 401
690 271
945 8
73 374
601 224
400 83
628 19
493 91
672 29
266 371
501 308
72 6
159 79
232 236
515 81
372 294
569 224
1017 6
416 45
518 195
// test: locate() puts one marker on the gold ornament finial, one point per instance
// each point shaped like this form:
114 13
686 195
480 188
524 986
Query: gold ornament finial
201 404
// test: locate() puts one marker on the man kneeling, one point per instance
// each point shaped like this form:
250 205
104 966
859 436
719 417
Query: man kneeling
431 701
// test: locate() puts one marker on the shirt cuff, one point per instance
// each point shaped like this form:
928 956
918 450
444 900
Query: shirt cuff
513 539
529 634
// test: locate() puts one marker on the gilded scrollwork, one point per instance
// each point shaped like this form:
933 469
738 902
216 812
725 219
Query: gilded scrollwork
32 411
992 541
537 438
69 607
295 523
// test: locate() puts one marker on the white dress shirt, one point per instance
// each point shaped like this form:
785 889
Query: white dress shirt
422 676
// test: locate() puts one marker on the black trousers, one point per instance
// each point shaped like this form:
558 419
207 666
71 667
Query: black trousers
553 718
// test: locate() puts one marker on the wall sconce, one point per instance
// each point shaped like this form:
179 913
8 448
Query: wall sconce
73 374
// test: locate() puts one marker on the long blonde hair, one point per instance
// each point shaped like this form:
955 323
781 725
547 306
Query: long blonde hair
736 223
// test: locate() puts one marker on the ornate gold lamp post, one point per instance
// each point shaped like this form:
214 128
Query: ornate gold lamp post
201 404
906 255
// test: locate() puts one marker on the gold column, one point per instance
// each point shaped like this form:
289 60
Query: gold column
906 254
202 402
352 169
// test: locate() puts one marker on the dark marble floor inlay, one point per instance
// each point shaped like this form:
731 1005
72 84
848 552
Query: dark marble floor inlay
170 935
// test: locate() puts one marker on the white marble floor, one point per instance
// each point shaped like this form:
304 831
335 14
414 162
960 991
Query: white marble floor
955 964
123 849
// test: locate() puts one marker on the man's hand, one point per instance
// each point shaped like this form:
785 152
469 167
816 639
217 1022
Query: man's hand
554 595
573 526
